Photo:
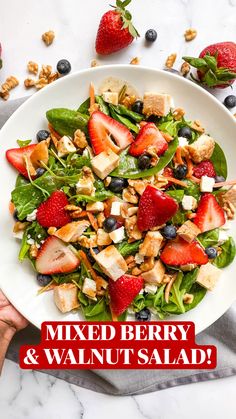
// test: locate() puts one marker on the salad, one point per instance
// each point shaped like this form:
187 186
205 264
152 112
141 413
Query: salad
122 206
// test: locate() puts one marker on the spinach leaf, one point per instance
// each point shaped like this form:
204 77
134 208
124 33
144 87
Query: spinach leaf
198 293
128 165
84 107
127 249
77 161
122 110
180 217
192 189
123 120
98 196
209 238
27 197
177 194
170 127
67 121
21 181
227 255
102 105
188 280
66 278
219 161
23 143
37 232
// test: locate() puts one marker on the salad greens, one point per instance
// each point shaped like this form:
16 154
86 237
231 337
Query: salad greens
227 254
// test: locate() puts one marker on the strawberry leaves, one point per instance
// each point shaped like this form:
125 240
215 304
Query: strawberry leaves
126 17
211 74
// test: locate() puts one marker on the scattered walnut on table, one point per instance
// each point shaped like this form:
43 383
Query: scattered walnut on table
185 69
45 71
29 83
170 60
94 63
40 83
190 34
32 67
10 83
135 61
48 37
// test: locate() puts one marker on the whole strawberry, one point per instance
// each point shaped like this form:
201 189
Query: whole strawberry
216 65
116 30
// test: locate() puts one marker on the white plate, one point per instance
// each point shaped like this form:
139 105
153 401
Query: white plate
18 280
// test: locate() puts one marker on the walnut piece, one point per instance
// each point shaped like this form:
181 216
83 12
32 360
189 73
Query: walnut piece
135 61
196 125
185 69
29 83
33 251
128 101
190 34
80 139
94 63
52 77
45 71
10 83
170 60
48 37
178 114
32 67
40 83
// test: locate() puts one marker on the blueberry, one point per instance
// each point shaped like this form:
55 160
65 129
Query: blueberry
181 171
90 256
117 184
15 216
144 162
185 132
43 280
63 67
211 252
151 35
169 232
40 171
143 315
230 101
109 224
42 135
137 106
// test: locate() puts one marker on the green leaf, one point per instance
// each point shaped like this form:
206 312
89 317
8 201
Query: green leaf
125 121
177 294
24 247
102 105
127 249
209 238
198 293
67 121
177 194
128 165
122 110
66 278
192 189
27 198
180 217
170 127
198 63
21 181
227 255
210 78
211 62
84 107
219 161
23 143
98 196
188 280
37 232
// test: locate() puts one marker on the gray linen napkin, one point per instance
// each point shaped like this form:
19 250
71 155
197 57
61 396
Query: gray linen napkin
119 382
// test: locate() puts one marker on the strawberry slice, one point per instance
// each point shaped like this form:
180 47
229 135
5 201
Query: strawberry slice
155 208
101 127
55 257
123 291
180 252
52 213
15 156
148 136
205 168
209 213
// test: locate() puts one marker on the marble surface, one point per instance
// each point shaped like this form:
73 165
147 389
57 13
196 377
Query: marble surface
35 395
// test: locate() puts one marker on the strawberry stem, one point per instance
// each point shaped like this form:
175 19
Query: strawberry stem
126 17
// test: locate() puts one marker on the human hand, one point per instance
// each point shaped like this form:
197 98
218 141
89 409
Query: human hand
11 321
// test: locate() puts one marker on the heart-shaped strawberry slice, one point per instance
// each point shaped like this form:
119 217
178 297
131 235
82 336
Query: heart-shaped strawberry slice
155 208
179 252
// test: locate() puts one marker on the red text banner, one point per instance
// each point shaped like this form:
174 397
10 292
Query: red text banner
123 345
